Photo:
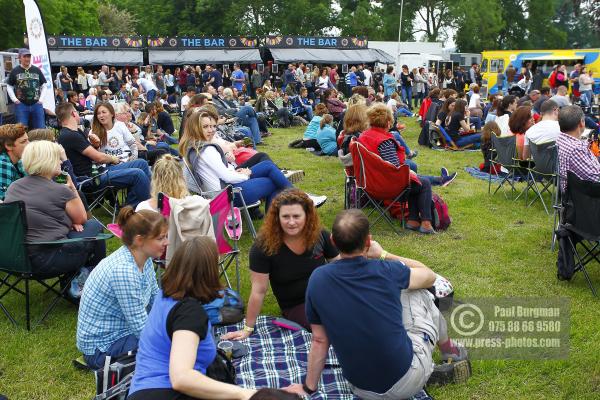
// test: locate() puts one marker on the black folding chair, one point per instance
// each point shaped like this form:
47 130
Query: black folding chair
105 197
542 173
17 267
505 149
581 218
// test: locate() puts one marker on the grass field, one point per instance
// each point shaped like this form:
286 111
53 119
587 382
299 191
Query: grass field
494 248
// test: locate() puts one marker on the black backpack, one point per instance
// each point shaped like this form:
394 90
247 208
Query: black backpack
114 379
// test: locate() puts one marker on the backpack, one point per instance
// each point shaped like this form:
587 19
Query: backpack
227 309
113 380
439 212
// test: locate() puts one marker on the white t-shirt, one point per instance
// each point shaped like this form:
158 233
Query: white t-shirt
323 82
146 84
475 100
368 76
212 171
503 124
119 142
392 105
185 100
542 132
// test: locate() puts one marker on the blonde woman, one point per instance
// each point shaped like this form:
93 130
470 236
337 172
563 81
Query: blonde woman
167 178
54 212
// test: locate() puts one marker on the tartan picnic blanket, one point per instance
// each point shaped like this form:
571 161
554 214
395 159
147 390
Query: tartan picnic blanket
278 357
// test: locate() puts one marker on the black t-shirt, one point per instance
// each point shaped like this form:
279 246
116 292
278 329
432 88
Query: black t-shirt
188 315
453 126
442 117
27 83
289 272
74 143
164 122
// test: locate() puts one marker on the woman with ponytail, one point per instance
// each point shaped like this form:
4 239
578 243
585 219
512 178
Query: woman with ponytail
120 291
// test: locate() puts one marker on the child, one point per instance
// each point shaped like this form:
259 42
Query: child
310 134
326 136
489 129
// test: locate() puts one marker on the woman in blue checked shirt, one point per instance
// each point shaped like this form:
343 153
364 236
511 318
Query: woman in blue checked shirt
120 291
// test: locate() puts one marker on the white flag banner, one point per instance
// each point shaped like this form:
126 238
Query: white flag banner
39 50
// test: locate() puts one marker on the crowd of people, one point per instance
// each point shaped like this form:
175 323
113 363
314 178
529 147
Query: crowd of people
115 130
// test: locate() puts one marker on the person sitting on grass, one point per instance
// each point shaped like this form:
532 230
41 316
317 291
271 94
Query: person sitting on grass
54 211
457 126
309 140
176 345
374 308
326 136
121 289
291 244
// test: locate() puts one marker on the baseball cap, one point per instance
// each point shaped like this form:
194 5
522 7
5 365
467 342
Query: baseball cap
24 52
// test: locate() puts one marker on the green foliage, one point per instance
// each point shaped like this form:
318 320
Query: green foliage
479 22
114 21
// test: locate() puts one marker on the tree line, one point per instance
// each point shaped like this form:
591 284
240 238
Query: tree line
474 25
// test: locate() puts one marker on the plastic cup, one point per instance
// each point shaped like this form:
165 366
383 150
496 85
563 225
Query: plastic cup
227 348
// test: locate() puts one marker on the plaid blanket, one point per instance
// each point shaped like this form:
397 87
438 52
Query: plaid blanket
278 357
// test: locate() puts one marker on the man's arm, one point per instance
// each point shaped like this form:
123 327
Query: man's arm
316 361
98 156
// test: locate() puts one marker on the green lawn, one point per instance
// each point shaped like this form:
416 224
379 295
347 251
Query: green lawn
494 247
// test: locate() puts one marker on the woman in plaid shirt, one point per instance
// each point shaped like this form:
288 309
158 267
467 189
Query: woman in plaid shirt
119 292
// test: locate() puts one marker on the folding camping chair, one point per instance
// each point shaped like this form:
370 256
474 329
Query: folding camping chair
244 208
581 218
378 182
15 262
505 149
542 174
106 198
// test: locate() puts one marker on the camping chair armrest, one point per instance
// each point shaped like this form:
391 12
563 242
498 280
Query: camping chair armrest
87 179
100 236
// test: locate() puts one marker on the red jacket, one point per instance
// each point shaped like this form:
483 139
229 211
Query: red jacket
424 107
372 138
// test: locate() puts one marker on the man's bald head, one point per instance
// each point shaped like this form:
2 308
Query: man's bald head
350 231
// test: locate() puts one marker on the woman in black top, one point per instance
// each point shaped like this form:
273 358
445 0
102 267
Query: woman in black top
406 79
458 128
291 244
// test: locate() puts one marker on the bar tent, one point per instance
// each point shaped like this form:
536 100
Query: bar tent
72 57
220 56
328 56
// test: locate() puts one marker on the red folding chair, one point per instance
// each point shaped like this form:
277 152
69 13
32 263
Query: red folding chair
379 183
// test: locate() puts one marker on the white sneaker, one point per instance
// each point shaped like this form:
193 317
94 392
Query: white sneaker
317 200
293 176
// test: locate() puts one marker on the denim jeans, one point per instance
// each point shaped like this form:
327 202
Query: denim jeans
247 117
121 346
151 95
402 142
475 121
92 228
407 95
309 112
404 112
474 138
133 175
419 201
33 113
586 97
265 182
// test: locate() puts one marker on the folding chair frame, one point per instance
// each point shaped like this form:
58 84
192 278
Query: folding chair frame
508 178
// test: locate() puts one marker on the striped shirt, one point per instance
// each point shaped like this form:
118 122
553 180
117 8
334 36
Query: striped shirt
388 152
115 302
574 155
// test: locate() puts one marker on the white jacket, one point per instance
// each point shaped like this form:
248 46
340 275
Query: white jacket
190 217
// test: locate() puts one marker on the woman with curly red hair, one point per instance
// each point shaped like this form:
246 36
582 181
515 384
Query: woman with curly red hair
291 244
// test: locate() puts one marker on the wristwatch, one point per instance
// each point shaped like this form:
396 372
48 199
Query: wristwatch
307 389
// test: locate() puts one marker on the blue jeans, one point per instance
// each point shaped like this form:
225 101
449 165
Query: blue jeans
247 117
265 182
33 113
92 228
586 97
402 142
475 121
169 139
121 346
404 112
309 112
474 138
407 95
133 175
151 95
165 146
